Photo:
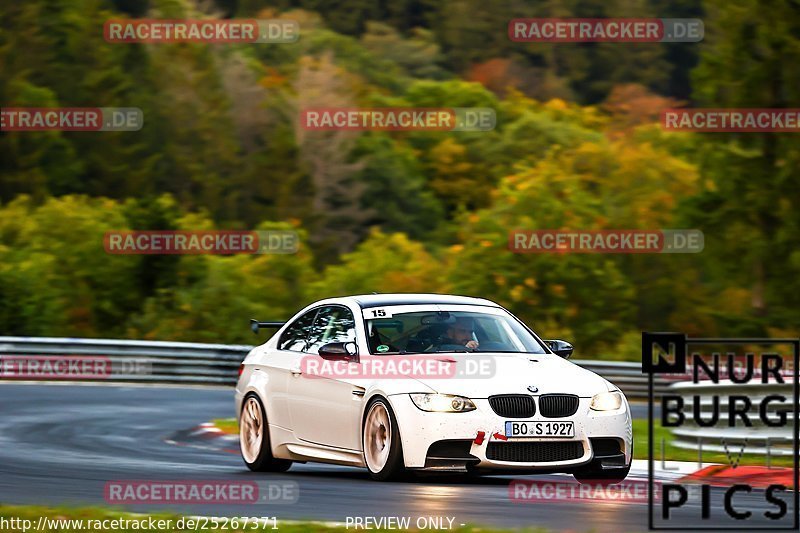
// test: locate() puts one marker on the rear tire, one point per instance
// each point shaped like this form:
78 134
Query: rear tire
254 441
380 440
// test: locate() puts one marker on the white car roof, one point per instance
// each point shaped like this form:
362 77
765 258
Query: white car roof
381 300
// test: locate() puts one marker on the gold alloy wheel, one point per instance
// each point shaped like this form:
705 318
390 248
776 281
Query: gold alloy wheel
377 437
251 430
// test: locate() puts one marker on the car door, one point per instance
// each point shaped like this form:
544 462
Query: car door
284 360
326 410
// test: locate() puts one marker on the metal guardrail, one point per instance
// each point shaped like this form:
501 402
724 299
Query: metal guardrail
760 438
627 376
217 364
141 361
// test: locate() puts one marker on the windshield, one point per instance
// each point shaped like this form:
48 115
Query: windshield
401 331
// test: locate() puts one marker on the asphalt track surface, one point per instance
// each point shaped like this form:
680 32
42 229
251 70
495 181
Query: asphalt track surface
60 445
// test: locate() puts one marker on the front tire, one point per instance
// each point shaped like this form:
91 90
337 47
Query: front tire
254 442
380 439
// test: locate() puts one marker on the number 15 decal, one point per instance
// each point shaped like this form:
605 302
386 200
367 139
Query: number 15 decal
377 313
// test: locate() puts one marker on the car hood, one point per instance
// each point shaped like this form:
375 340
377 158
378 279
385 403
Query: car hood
514 373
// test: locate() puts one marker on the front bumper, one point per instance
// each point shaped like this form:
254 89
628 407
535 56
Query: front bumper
419 430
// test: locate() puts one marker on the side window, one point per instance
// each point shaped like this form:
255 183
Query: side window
333 324
296 335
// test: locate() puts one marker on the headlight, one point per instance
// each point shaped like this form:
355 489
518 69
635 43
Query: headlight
606 401
442 403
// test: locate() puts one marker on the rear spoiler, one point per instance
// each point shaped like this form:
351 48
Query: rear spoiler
255 325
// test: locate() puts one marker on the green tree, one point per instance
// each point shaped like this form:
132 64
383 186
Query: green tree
750 58
55 276
214 296
595 298
382 263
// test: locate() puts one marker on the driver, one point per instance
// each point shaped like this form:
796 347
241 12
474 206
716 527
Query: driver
462 332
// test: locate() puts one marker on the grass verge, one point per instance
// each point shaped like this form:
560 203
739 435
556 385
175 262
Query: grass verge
227 425
672 453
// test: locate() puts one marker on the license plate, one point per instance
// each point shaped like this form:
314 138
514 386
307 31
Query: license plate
540 429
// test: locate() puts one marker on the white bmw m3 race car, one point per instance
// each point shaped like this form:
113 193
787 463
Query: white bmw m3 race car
410 382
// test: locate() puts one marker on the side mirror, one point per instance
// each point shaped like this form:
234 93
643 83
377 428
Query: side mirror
339 351
560 348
